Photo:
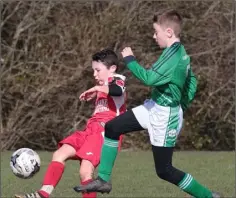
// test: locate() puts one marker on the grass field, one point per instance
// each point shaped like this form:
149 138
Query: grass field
134 175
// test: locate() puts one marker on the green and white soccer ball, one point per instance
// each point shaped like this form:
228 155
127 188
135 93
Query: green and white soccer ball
25 163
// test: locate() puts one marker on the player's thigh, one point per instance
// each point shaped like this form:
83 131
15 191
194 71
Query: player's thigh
86 170
141 114
165 125
76 140
63 153
124 123
91 149
69 146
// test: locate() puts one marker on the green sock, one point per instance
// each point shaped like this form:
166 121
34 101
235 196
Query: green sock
192 187
108 157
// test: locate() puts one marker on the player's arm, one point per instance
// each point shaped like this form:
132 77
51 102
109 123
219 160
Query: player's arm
156 76
112 90
192 85
189 90
115 88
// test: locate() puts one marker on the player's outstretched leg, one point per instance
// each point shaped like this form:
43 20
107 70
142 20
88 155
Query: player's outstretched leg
186 182
53 174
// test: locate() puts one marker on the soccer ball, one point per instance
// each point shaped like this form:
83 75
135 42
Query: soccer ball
25 163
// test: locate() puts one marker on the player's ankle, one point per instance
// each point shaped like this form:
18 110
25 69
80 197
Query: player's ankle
43 194
104 177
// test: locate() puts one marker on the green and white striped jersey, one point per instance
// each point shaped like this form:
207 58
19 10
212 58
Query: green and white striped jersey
171 78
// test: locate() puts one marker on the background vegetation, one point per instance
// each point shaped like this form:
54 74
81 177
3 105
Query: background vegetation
46 50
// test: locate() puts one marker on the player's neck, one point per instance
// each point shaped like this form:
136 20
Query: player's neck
172 41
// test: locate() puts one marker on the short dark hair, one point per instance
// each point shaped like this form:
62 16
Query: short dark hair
107 56
170 19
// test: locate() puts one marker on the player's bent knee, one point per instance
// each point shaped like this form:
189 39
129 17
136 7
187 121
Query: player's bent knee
57 156
164 173
170 174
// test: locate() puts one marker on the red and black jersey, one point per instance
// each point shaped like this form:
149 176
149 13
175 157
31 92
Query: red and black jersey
108 106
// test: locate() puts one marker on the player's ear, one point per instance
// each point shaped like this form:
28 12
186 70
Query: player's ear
169 32
113 68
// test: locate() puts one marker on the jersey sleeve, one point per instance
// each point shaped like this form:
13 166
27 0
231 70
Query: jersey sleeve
116 87
189 90
155 76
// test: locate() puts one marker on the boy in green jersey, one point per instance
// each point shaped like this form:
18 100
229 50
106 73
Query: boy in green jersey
173 88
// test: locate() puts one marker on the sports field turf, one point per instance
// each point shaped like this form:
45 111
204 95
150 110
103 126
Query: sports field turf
134 175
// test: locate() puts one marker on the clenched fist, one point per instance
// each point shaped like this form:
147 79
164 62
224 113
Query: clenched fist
127 51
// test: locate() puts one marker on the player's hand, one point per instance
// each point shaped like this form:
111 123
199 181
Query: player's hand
127 51
91 96
88 95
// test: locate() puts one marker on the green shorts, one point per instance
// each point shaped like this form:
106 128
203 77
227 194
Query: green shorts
163 123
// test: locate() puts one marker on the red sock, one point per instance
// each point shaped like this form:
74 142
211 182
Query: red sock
88 195
51 178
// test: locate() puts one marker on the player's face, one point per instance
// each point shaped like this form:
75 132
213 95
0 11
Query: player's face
160 35
101 73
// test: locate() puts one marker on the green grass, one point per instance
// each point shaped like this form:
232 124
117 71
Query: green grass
134 175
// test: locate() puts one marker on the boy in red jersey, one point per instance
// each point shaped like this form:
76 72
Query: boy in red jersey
86 145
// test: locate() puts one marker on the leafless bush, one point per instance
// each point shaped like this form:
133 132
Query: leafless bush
46 58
